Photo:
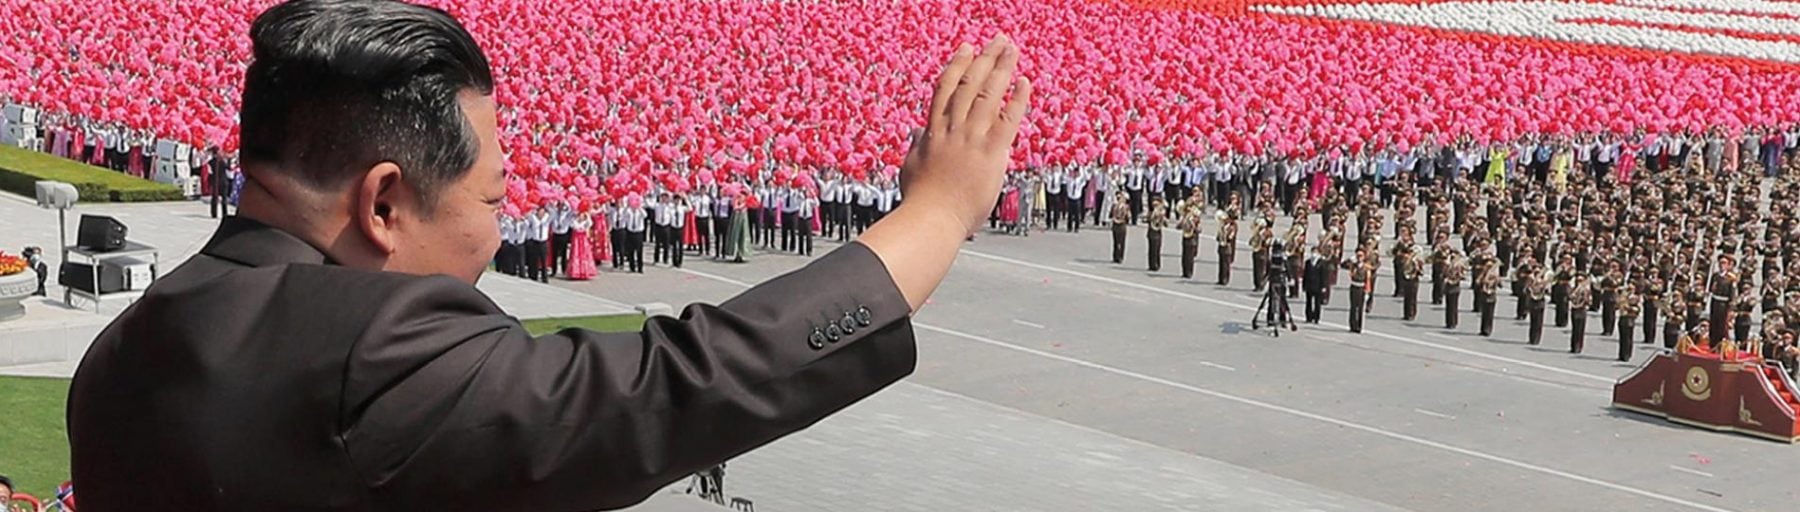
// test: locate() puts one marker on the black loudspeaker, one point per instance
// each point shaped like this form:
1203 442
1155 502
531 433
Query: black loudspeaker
81 277
100 233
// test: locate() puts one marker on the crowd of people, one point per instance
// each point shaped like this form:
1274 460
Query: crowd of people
1691 239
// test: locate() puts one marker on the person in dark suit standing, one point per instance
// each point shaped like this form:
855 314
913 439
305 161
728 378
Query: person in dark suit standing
1317 282
349 363
219 178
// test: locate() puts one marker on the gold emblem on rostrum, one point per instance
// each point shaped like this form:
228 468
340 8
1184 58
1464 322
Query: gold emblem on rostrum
1698 385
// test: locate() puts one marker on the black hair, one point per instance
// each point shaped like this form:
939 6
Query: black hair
337 86
7 483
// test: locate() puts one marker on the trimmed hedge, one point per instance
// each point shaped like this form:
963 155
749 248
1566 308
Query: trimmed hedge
21 169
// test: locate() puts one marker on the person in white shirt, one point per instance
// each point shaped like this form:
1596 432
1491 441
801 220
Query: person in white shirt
887 199
809 205
702 203
828 202
1053 194
503 260
677 212
865 205
771 214
1134 190
632 221
790 218
1074 190
562 217
537 231
659 230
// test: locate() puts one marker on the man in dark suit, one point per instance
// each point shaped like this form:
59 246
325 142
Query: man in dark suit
1317 282
347 362
219 176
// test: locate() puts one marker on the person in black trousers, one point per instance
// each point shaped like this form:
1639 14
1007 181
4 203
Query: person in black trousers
1316 282
219 176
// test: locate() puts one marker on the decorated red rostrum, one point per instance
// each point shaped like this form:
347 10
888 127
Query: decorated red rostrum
1732 393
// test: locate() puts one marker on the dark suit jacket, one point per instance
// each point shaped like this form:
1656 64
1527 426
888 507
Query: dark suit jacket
259 376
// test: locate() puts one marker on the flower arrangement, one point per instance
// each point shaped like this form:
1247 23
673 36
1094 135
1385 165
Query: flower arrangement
10 264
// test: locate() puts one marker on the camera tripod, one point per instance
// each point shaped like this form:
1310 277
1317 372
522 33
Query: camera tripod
1274 306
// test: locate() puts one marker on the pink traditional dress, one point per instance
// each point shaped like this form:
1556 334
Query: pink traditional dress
602 245
1009 206
581 252
690 232
1320 184
135 164
1627 160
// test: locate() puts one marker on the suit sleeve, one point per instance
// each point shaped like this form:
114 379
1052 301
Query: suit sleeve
581 420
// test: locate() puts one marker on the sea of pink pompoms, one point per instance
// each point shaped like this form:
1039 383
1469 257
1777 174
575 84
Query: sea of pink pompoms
734 85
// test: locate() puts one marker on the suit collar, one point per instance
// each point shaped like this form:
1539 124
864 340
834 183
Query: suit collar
253 243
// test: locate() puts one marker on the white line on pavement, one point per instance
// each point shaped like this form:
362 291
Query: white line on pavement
1439 335
1378 431
1690 471
1437 415
1210 300
1028 324
1217 365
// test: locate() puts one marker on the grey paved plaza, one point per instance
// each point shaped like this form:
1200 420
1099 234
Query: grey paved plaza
1050 379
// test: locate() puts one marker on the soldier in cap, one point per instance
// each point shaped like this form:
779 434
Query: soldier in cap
1440 252
1487 288
1742 307
1121 216
1261 238
1455 269
1156 222
1359 269
1411 272
1674 316
1559 292
1720 292
1537 288
1190 235
1627 305
1227 245
1608 295
1581 296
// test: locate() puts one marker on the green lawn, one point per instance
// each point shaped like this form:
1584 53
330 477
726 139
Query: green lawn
21 169
34 448
631 322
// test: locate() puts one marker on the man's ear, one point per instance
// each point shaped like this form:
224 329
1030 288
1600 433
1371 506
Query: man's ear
379 195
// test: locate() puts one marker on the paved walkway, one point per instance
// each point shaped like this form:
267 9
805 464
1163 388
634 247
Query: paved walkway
51 335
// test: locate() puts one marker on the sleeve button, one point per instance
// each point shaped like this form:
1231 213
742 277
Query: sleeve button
833 333
817 340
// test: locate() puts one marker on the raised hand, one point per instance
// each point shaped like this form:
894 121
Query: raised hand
958 161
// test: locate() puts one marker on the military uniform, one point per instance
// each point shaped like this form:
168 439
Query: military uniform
1609 305
1487 288
1121 215
1439 251
1627 304
1455 268
1260 240
1409 295
1674 316
1158 220
1536 289
1359 282
1227 248
1581 297
1721 291
1190 239
1559 292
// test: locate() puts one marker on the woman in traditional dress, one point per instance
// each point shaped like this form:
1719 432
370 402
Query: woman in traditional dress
740 226
1009 205
581 249
1027 196
603 250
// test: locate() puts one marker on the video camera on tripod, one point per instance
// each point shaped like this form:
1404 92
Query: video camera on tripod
1274 309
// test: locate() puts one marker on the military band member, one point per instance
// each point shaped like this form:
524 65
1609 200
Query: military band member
1190 238
1537 290
1158 220
1455 268
1559 291
1359 268
1296 260
1743 306
1674 316
1528 270
1412 270
1608 291
1440 250
1721 290
1581 297
1402 254
1652 290
1227 240
1373 253
1121 215
1261 238
1487 289
1627 304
